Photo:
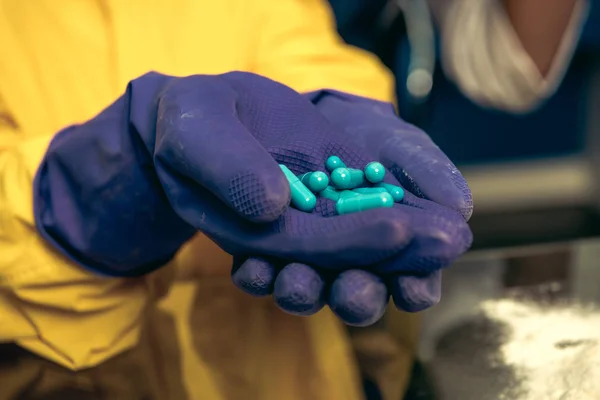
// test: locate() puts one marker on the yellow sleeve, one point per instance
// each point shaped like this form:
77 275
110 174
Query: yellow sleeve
298 46
47 304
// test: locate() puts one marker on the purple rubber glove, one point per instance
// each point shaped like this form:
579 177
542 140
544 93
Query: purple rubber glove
121 193
416 163
421 168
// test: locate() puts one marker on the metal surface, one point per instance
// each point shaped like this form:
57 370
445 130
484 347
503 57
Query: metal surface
535 341
470 363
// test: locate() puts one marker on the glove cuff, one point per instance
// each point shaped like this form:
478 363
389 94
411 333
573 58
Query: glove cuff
96 196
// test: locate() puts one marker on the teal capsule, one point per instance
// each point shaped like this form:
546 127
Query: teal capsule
396 191
370 190
330 193
348 193
374 172
363 202
315 181
357 177
347 178
302 198
334 162
340 177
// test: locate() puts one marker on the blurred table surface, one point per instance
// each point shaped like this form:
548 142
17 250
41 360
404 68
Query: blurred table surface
518 325
512 325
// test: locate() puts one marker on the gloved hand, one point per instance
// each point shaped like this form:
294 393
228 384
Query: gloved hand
414 275
122 192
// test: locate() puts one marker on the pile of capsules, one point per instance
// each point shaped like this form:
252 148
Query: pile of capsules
353 190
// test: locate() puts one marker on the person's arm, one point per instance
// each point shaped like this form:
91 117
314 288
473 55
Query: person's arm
49 304
505 55
41 290
540 26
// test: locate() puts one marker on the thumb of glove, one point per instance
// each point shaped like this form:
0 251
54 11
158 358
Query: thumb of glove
199 137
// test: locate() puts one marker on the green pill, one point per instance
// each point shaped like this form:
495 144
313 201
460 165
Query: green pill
396 191
302 198
374 172
340 177
370 190
315 181
334 162
330 193
357 177
347 178
363 202
348 193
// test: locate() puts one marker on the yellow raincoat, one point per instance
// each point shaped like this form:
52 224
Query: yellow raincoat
62 62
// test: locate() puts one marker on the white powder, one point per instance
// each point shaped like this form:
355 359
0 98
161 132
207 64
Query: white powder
555 352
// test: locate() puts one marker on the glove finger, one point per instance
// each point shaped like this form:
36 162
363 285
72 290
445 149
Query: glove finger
423 169
255 276
440 236
413 293
358 297
338 242
200 137
415 160
299 290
